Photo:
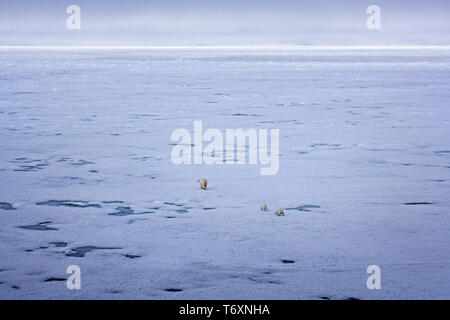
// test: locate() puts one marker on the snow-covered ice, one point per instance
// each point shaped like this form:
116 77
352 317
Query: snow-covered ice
87 178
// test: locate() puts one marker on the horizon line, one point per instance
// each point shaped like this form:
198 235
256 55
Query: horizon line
233 47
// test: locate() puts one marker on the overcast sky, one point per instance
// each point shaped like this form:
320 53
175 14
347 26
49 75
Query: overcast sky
219 22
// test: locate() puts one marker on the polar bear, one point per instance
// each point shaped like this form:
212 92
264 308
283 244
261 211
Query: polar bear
203 183
264 207
280 212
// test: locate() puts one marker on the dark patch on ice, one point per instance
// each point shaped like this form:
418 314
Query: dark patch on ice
132 256
142 158
42 226
325 145
59 244
352 298
81 163
54 279
287 261
133 220
126 211
147 115
266 122
113 201
325 298
209 208
29 250
115 291
305 207
150 176
245 115
68 203
170 217
25 160
263 280
122 211
442 152
29 164
173 290
93 171
15 287
182 144
6 206
417 203
82 251
182 211
22 92
72 178
295 104
172 204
